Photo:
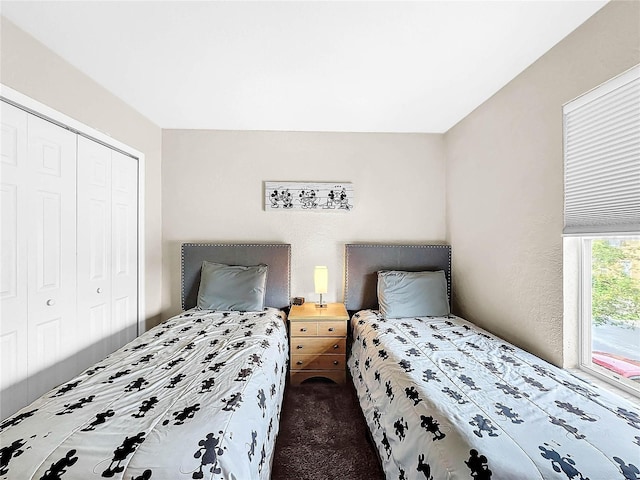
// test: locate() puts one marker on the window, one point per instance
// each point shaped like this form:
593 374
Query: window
610 326
602 209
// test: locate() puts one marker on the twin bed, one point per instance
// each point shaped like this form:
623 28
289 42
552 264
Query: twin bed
199 396
444 399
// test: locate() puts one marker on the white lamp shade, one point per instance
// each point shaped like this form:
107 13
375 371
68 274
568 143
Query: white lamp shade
321 279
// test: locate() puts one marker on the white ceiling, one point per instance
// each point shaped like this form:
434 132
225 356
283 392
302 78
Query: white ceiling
306 66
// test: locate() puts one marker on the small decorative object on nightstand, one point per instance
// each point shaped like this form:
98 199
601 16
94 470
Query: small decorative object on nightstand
318 341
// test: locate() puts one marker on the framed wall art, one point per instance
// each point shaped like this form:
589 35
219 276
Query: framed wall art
309 196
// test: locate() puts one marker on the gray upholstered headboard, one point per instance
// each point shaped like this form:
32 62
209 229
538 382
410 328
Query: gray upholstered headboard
276 256
362 262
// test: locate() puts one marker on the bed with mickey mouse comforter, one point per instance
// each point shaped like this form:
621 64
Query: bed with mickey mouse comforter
445 400
198 396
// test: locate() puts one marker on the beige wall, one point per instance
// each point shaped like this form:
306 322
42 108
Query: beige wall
29 67
212 184
499 202
505 184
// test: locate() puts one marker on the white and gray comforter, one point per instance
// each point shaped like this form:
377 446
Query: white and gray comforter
445 400
198 396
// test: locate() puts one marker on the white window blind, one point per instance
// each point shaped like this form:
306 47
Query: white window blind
602 158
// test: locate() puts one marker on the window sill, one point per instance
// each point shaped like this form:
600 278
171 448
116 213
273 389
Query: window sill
605 385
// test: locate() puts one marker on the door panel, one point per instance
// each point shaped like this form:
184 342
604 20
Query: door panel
9 234
10 359
125 248
122 321
98 331
13 128
94 249
48 340
51 244
48 242
99 240
13 255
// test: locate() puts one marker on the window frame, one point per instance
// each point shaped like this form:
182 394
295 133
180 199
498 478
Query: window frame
585 320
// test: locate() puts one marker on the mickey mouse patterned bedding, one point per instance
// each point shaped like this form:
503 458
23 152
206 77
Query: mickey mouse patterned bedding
198 396
445 400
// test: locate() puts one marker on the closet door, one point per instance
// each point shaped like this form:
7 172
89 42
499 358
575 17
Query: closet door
94 250
13 255
124 241
68 252
51 257
107 249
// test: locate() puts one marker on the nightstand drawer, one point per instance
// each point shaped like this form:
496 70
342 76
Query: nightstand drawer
332 329
317 362
318 345
320 329
304 329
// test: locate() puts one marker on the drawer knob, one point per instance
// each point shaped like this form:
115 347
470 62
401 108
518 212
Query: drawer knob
336 362
51 302
336 346
299 347
98 290
303 329
331 329
299 362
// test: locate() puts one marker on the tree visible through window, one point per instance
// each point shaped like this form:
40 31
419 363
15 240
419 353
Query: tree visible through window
615 306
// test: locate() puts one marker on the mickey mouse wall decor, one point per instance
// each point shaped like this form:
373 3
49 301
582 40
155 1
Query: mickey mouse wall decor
308 196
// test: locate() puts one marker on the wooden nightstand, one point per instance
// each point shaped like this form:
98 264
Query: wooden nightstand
318 341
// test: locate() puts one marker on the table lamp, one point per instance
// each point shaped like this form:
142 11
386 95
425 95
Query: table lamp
320 280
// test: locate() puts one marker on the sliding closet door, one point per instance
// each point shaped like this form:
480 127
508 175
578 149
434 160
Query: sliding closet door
13 255
124 241
51 244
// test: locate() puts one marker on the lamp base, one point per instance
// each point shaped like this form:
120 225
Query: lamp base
320 303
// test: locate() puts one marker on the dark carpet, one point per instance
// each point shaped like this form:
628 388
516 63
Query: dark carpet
323 435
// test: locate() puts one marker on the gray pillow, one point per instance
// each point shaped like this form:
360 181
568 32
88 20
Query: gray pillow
412 294
232 287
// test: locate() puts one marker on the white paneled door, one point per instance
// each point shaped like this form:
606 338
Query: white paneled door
51 269
38 287
124 244
69 252
13 255
107 248
94 249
